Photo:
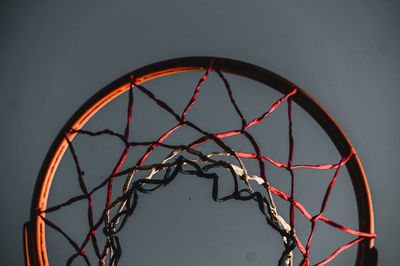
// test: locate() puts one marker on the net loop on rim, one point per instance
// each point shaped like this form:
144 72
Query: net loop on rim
127 201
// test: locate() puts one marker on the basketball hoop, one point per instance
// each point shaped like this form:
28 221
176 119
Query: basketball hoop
190 159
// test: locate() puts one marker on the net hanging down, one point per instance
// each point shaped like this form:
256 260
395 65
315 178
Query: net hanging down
188 159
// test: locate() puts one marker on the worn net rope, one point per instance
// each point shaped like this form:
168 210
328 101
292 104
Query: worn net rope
186 159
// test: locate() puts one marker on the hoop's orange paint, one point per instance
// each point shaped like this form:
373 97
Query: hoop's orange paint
36 253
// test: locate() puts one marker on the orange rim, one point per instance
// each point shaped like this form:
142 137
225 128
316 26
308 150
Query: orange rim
34 231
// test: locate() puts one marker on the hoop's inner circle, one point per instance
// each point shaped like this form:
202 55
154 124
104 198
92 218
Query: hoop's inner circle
249 147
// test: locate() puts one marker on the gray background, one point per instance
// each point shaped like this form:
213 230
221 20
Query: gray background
56 54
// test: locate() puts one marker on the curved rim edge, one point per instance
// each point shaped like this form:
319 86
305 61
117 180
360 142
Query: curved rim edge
35 233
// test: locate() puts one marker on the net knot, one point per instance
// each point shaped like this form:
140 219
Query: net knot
291 200
315 218
306 259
